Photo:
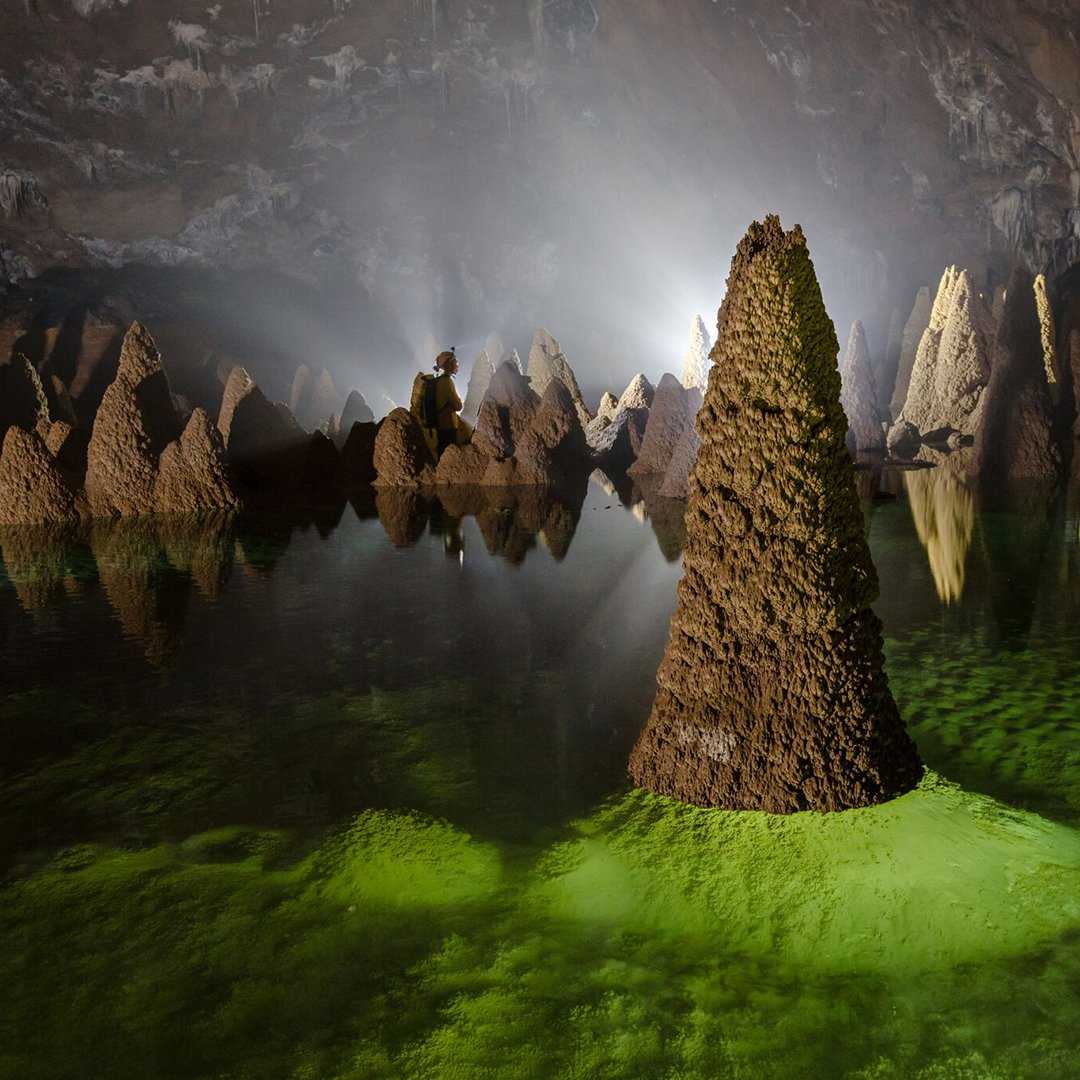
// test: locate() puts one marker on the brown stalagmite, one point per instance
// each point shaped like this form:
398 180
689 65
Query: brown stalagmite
772 694
192 478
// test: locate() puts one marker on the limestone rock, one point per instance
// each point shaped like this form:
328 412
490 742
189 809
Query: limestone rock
617 442
914 329
357 467
558 424
676 483
191 477
33 490
669 419
515 401
858 394
532 465
314 397
885 380
1045 314
609 403
1016 439
492 432
356 411
134 423
952 365
22 397
402 457
547 361
696 362
903 440
638 394
316 475
68 446
943 509
772 694
462 465
479 380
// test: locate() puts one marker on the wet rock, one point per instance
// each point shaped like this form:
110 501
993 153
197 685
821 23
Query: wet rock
134 423
1074 362
357 466
670 417
1016 439
858 395
479 380
696 362
1047 334
33 490
914 328
903 441
676 483
547 361
952 366
192 476
402 457
772 694
22 397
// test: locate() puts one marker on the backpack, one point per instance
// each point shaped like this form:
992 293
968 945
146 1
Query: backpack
422 402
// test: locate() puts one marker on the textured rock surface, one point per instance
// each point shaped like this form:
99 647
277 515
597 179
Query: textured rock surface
402 458
670 417
22 397
1016 439
479 380
903 441
772 694
608 404
462 465
547 361
914 328
515 405
356 411
858 394
558 423
696 362
191 477
676 483
33 490
952 365
639 394
134 423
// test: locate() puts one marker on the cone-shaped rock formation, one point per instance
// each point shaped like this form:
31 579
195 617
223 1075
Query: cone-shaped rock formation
670 417
33 490
356 411
402 457
858 394
134 423
547 361
22 397
608 404
696 362
479 380
772 694
914 329
191 475
676 483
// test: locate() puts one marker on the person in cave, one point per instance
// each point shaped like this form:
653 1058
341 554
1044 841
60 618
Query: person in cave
436 404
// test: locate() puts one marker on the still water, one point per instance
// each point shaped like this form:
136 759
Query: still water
344 797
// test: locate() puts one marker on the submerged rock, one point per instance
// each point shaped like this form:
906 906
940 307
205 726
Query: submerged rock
547 361
33 490
191 476
134 423
772 694
670 417
696 362
858 395
1016 439
402 458
914 328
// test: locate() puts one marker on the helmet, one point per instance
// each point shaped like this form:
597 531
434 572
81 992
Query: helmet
445 359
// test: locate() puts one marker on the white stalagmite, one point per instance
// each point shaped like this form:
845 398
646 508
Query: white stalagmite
858 394
914 329
479 381
696 362
547 361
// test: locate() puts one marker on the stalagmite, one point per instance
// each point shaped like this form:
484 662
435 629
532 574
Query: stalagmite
402 457
914 329
858 395
1046 330
670 417
696 362
885 380
608 404
676 484
547 361
479 380
134 423
772 694
356 411
191 474
22 397
33 490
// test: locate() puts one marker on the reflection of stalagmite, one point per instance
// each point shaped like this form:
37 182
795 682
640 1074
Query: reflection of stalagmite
772 693
36 560
130 565
943 509
202 547
403 513
666 516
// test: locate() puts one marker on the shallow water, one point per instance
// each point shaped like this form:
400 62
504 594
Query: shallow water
345 798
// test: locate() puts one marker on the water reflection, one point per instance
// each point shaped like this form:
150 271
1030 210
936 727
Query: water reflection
943 509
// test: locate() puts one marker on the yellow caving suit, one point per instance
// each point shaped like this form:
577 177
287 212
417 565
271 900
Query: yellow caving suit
448 424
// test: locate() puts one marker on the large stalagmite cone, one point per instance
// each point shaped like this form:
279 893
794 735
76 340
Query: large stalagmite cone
772 694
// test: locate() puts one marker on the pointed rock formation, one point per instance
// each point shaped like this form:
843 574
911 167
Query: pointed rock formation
617 441
479 380
33 490
466 465
134 423
676 483
356 411
609 403
191 475
314 397
639 394
670 417
547 361
301 390
772 694
357 467
952 366
1045 313
696 362
402 457
914 328
1015 440
858 395
886 379
558 424
515 405
22 397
